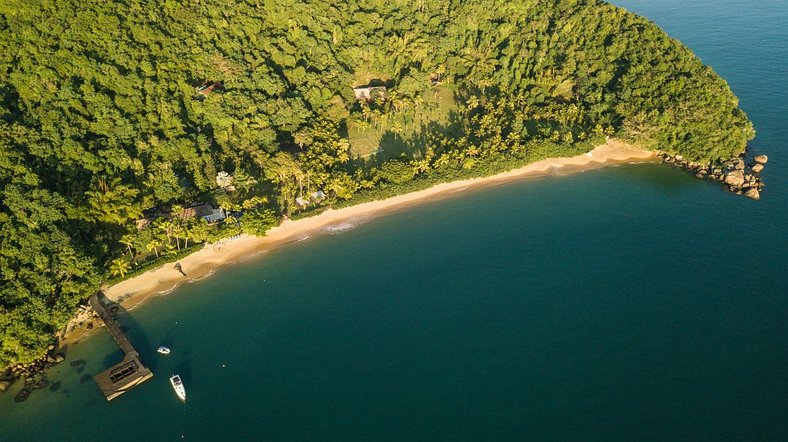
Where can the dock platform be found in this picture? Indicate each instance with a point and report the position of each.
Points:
(129, 372)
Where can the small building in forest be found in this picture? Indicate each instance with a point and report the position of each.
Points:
(204, 211)
(209, 87)
(201, 210)
(216, 215)
(302, 202)
(369, 93)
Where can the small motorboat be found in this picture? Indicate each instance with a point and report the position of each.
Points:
(163, 350)
(177, 385)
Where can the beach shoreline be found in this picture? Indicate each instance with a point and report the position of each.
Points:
(134, 291)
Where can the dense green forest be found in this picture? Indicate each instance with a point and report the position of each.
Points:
(114, 112)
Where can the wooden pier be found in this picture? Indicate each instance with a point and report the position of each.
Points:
(129, 372)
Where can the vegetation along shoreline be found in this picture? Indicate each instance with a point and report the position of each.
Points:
(124, 148)
(202, 262)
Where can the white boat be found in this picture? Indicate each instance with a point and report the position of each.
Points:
(163, 350)
(177, 385)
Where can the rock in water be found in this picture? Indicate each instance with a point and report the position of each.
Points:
(22, 395)
(761, 159)
(735, 178)
(753, 193)
(757, 168)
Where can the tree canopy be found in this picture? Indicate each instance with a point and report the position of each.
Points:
(110, 111)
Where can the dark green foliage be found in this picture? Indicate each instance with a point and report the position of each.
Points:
(396, 171)
(258, 221)
(112, 109)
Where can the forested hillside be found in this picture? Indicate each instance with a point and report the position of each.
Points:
(117, 111)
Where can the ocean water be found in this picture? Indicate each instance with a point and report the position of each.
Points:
(630, 303)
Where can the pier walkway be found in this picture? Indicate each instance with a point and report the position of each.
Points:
(129, 372)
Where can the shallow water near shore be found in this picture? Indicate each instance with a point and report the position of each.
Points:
(629, 303)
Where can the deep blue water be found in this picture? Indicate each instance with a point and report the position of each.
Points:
(631, 303)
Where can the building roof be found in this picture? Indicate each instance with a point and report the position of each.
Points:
(365, 93)
(214, 216)
(209, 87)
(194, 211)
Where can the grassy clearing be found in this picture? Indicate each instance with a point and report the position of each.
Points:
(393, 137)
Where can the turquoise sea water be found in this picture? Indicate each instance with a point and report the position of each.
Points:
(631, 303)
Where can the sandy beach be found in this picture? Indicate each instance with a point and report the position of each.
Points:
(204, 262)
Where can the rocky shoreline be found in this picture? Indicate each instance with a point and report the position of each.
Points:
(737, 175)
(34, 373)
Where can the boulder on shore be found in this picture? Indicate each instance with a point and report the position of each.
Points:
(5, 385)
(739, 165)
(761, 159)
(735, 178)
(753, 193)
(757, 168)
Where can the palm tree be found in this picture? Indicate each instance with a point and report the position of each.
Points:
(177, 232)
(406, 49)
(113, 203)
(177, 211)
(119, 267)
(127, 240)
(166, 226)
(153, 246)
(481, 61)
(186, 230)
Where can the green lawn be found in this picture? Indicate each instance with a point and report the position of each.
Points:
(388, 142)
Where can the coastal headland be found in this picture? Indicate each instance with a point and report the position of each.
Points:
(148, 161)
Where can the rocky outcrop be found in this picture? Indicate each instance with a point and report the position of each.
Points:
(737, 176)
(83, 320)
(32, 372)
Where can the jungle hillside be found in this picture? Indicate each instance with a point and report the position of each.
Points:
(132, 131)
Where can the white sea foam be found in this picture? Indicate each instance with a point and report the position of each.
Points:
(211, 272)
(345, 226)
